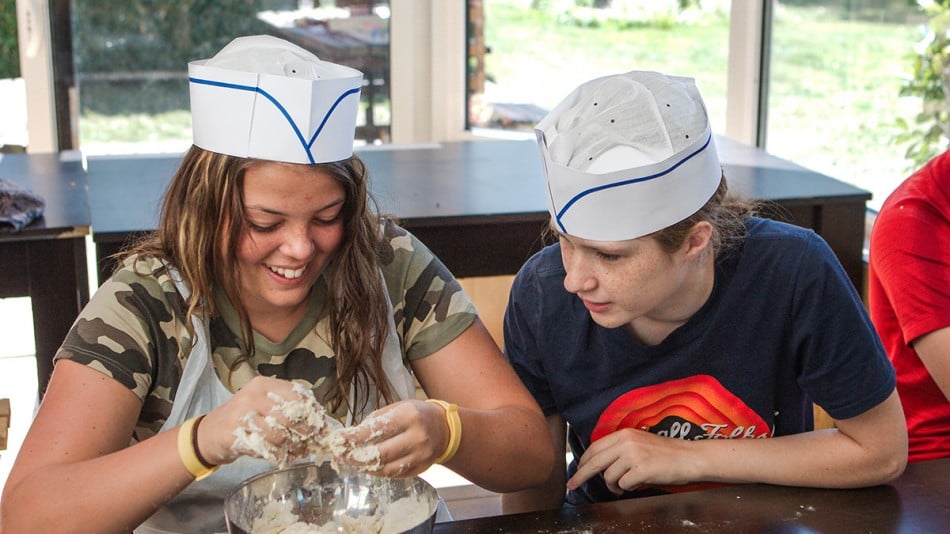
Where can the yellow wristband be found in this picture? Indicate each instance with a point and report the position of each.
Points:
(455, 429)
(187, 441)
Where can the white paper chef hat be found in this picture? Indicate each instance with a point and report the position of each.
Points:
(263, 97)
(628, 155)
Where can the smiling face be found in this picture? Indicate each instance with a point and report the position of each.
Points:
(294, 225)
(637, 283)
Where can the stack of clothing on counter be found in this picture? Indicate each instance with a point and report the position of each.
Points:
(18, 207)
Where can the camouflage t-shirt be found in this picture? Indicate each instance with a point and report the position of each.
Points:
(133, 329)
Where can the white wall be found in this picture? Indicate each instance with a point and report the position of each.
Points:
(36, 68)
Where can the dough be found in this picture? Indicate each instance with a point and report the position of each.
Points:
(311, 433)
(392, 518)
(306, 435)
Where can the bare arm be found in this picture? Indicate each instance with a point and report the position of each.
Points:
(868, 449)
(550, 494)
(505, 444)
(934, 352)
(74, 469)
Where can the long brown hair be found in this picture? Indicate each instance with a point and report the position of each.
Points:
(204, 206)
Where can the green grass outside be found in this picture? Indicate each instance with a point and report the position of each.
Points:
(833, 93)
(531, 51)
(834, 96)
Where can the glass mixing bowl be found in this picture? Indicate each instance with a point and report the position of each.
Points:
(315, 498)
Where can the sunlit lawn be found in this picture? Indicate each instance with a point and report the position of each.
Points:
(832, 101)
(834, 96)
(833, 91)
(534, 56)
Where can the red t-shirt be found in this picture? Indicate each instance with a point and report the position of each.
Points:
(909, 296)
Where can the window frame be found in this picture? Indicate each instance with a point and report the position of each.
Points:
(428, 92)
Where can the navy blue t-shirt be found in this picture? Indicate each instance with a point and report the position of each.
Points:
(783, 328)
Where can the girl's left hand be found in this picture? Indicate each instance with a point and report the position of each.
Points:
(629, 458)
(399, 440)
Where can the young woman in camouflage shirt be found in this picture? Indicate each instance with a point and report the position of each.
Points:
(293, 278)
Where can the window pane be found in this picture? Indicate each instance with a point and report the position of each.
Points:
(13, 134)
(835, 81)
(536, 52)
(130, 58)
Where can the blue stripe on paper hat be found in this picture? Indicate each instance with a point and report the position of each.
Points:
(628, 155)
(263, 97)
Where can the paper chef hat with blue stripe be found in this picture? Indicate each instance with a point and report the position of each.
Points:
(628, 155)
(263, 97)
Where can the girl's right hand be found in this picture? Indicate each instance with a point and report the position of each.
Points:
(268, 418)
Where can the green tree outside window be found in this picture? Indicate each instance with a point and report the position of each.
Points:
(928, 133)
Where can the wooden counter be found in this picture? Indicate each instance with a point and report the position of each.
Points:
(46, 261)
(481, 205)
(917, 502)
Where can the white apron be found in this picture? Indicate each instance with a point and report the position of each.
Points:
(200, 506)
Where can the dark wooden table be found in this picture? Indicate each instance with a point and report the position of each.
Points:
(46, 261)
(917, 502)
(478, 205)
(481, 205)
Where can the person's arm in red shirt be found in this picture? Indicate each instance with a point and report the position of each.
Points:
(934, 352)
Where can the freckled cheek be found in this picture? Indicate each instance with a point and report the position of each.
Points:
(253, 249)
(615, 284)
(625, 284)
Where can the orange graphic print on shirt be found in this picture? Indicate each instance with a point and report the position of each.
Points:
(692, 408)
(696, 407)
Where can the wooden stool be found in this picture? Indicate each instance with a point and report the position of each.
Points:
(4, 422)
